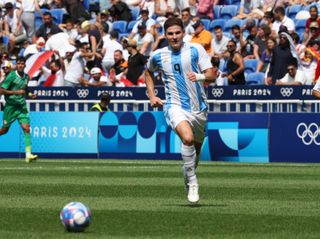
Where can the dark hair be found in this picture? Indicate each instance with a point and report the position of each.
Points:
(114, 34)
(313, 7)
(235, 27)
(118, 51)
(21, 59)
(82, 44)
(47, 14)
(233, 41)
(215, 61)
(173, 22)
(295, 37)
(293, 62)
(105, 97)
(56, 62)
(69, 20)
(217, 27)
(187, 9)
(280, 10)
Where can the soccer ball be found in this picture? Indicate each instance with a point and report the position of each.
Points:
(75, 217)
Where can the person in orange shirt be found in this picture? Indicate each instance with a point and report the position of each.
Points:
(201, 36)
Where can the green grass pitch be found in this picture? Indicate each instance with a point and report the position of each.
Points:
(146, 199)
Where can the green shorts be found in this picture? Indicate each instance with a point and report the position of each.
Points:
(13, 112)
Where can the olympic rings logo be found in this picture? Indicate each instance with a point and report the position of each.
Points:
(82, 93)
(309, 133)
(217, 92)
(286, 92)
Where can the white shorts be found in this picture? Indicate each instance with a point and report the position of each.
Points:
(175, 115)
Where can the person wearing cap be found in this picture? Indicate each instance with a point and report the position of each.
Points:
(96, 79)
(34, 48)
(6, 68)
(144, 40)
(109, 47)
(13, 27)
(104, 18)
(185, 67)
(27, 17)
(48, 28)
(312, 33)
(314, 17)
(201, 36)
(282, 20)
(102, 106)
(149, 22)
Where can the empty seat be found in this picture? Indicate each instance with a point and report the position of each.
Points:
(256, 78)
(230, 23)
(206, 23)
(300, 25)
(250, 66)
(228, 11)
(292, 11)
(57, 15)
(120, 26)
(130, 26)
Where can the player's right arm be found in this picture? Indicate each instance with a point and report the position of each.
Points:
(316, 90)
(5, 88)
(154, 100)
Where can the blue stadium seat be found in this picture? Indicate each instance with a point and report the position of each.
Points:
(292, 11)
(206, 23)
(300, 25)
(86, 4)
(227, 34)
(217, 22)
(5, 40)
(38, 22)
(256, 78)
(228, 11)
(130, 26)
(120, 26)
(57, 14)
(216, 11)
(230, 23)
(135, 12)
(250, 66)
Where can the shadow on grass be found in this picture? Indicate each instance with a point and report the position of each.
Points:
(199, 205)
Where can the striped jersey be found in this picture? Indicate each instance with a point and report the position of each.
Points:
(174, 66)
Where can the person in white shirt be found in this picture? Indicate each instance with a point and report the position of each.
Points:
(316, 90)
(69, 29)
(282, 20)
(34, 48)
(77, 66)
(294, 75)
(13, 27)
(96, 79)
(219, 42)
(149, 22)
(109, 47)
(54, 75)
(144, 40)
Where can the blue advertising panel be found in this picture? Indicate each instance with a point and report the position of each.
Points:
(64, 132)
(295, 138)
(139, 135)
(236, 138)
(9, 143)
(230, 137)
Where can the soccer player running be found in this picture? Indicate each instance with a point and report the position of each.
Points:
(185, 67)
(14, 87)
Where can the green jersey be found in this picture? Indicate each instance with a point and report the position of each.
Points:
(15, 82)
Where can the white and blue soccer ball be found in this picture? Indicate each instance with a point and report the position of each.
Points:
(75, 217)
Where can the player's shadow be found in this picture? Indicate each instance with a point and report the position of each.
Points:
(199, 205)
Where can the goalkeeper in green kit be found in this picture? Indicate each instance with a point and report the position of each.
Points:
(14, 88)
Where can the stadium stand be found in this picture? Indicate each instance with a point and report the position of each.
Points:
(120, 26)
(250, 66)
(228, 11)
(255, 78)
(217, 22)
(230, 23)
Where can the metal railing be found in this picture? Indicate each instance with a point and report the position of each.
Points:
(215, 106)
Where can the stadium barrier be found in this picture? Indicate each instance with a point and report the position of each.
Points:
(221, 99)
(236, 137)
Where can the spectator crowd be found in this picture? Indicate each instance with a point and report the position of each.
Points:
(108, 42)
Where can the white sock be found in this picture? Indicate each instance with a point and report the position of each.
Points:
(189, 155)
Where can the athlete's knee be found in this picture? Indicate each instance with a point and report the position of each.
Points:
(26, 128)
(188, 140)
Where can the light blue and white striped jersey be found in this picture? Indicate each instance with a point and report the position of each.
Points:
(174, 66)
